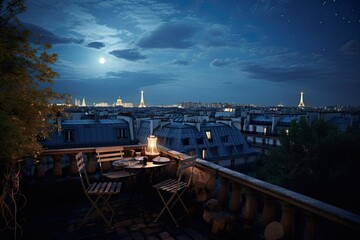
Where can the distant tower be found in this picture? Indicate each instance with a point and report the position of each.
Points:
(118, 102)
(301, 103)
(83, 103)
(142, 103)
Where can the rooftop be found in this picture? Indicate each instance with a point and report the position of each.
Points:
(55, 206)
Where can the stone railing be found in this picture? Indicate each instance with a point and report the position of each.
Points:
(61, 162)
(260, 203)
(240, 198)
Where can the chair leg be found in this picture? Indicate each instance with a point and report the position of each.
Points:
(98, 210)
(182, 203)
(166, 207)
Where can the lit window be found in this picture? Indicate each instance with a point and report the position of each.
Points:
(203, 154)
(209, 136)
(265, 129)
(69, 135)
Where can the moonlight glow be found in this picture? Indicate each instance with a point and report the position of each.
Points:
(101, 60)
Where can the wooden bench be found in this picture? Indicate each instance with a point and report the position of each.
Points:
(105, 156)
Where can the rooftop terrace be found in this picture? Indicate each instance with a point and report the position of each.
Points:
(247, 208)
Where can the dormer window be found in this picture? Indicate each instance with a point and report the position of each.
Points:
(203, 153)
(225, 139)
(69, 135)
(200, 141)
(214, 151)
(186, 141)
(209, 135)
(121, 133)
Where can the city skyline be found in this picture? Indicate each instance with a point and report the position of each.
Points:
(250, 52)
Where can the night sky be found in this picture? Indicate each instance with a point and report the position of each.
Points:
(244, 51)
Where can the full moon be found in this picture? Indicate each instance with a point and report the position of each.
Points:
(101, 60)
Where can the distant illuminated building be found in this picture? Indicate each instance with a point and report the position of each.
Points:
(101, 104)
(128, 105)
(77, 102)
(301, 103)
(142, 103)
(119, 102)
(83, 103)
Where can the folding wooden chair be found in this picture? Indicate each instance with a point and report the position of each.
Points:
(176, 188)
(98, 193)
(105, 156)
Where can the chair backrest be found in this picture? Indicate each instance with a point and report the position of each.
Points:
(186, 166)
(82, 170)
(105, 155)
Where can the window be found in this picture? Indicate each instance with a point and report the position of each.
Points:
(199, 141)
(186, 141)
(225, 139)
(230, 150)
(214, 151)
(240, 148)
(121, 133)
(168, 141)
(69, 135)
(208, 135)
(203, 153)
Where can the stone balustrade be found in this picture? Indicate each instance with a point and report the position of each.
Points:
(241, 198)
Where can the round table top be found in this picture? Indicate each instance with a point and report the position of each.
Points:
(148, 165)
(136, 162)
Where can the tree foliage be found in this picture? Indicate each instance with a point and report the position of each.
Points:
(316, 160)
(26, 105)
(25, 93)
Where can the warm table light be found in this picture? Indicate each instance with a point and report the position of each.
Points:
(151, 149)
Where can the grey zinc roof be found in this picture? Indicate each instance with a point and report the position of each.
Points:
(184, 137)
(91, 121)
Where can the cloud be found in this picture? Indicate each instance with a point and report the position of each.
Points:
(217, 35)
(96, 45)
(281, 74)
(222, 63)
(169, 35)
(351, 48)
(128, 54)
(180, 62)
(41, 35)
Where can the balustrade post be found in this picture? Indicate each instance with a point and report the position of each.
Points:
(224, 190)
(287, 219)
(249, 210)
(73, 165)
(310, 227)
(40, 172)
(235, 201)
(268, 211)
(57, 171)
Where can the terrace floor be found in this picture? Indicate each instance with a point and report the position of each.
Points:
(55, 208)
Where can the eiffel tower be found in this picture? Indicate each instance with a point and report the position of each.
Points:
(301, 104)
(142, 103)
